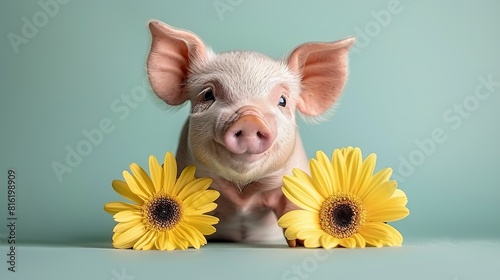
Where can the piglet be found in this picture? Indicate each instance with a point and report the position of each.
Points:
(242, 130)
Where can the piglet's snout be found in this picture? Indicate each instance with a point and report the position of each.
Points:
(250, 133)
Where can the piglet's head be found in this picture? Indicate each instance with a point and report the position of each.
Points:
(242, 122)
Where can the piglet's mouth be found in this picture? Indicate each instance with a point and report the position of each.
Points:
(238, 158)
(249, 158)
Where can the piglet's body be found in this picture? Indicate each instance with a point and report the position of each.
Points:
(242, 130)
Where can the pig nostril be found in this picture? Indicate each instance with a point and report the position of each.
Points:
(248, 133)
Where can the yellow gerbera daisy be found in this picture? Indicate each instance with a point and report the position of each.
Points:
(168, 213)
(343, 203)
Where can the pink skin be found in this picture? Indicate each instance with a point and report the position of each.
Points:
(242, 131)
(249, 133)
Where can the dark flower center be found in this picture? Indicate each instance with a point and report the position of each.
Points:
(162, 213)
(342, 215)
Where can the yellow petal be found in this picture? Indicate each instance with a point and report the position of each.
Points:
(150, 246)
(373, 243)
(360, 241)
(297, 217)
(196, 185)
(346, 151)
(142, 179)
(327, 241)
(200, 198)
(169, 244)
(365, 175)
(123, 244)
(117, 206)
(161, 241)
(202, 219)
(297, 172)
(293, 231)
(198, 235)
(169, 173)
(397, 238)
(379, 178)
(134, 186)
(192, 235)
(340, 173)
(379, 195)
(145, 240)
(300, 193)
(123, 240)
(122, 188)
(321, 182)
(396, 201)
(204, 228)
(186, 234)
(310, 233)
(379, 234)
(399, 193)
(312, 242)
(382, 176)
(172, 241)
(127, 216)
(327, 167)
(201, 209)
(370, 229)
(296, 221)
(187, 175)
(387, 214)
(156, 174)
(353, 163)
(124, 226)
(307, 180)
(347, 242)
(166, 241)
(178, 240)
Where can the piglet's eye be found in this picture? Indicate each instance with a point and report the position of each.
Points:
(282, 101)
(208, 94)
(206, 99)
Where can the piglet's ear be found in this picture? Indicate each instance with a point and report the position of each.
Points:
(323, 68)
(172, 51)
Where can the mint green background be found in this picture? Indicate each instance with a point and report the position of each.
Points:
(427, 59)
